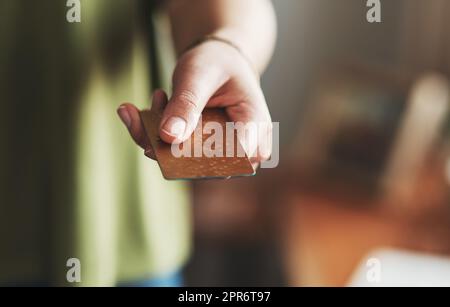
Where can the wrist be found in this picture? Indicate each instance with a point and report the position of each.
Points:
(217, 38)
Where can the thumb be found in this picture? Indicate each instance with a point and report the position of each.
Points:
(193, 87)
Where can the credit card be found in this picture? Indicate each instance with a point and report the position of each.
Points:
(201, 158)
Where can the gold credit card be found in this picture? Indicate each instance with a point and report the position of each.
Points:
(201, 158)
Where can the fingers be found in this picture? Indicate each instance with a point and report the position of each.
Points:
(193, 86)
(129, 115)
(256, 139)
(149, 153)
(255, 164)
(159, 102)
(265, 141)
(254, 123)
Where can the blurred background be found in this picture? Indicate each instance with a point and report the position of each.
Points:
(365, 155)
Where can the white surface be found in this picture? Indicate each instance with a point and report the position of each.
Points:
(404, 269)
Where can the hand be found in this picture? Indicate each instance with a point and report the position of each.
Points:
(213, 75)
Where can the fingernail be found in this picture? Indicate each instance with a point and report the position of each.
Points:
(158, 95)
(125, 116)
(255, 166)
(175, 126)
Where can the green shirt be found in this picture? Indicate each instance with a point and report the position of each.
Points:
(73, 184)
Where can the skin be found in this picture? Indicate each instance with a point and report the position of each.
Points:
(213, 74)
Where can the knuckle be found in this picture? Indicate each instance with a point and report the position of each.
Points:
(188, 99)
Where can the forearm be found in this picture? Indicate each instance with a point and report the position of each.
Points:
(249, 24)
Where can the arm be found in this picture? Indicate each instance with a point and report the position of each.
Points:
(214, 73)
(250, 24)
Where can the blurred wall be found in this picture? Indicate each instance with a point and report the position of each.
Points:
(314, 34)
